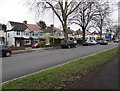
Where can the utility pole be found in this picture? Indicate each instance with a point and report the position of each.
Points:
(4, 28)
(53, 29)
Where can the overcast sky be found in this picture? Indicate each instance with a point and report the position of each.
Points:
(16, 10)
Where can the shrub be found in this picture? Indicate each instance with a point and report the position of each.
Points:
(56, 41)
(99, 38)
(42, 43)
(79, 41)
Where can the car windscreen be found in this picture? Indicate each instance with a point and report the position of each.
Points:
(69, 41)
(0, 46)
(63, 41)
(5, 46)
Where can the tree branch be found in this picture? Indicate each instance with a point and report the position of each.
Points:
(74, 9)
(55, 12)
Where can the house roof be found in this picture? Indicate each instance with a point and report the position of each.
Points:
(34, 27)
(18, 26)
(94, 32)
(51, 28)
(79, 31)
(70, 31)
(88, 33)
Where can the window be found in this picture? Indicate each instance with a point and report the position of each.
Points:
(27, 33)
(36, 41)
(59, 34)
(27, 42)
(18, 32)
(41, 34)
(33, 34)
(8, 35)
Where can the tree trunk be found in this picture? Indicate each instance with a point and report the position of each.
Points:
(65, 32)
(83, 35)
(83, 29)
(65, 29)
(100, 32)
(65, 35)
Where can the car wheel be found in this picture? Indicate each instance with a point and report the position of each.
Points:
(69, 46)
(74, 46)
(7, 54)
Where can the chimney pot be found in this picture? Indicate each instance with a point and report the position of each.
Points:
(25, 22)
(52, 25)
(68, 27)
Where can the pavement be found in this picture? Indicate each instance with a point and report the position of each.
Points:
(30, 49)
(105, 77)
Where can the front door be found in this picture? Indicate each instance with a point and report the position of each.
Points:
(18, 43)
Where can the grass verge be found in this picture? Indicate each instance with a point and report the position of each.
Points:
(59, 77)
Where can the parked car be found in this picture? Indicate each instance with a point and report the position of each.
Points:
(98, 41)
(116, 40)
(5, 50)
(89, 42)
(104, 43)
(86, 43)
(67, 44)
(93, 42)
(36, 45)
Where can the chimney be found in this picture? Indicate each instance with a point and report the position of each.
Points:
(68, 27)
(52, 25)
(25, 22)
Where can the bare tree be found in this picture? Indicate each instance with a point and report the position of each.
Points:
(61, 9)
(100, 20)
(84, 14)
(116, 30)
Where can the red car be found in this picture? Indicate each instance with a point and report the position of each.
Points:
(36, 45)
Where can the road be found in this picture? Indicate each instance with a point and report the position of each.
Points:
(26, 63)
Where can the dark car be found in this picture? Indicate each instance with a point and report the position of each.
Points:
(67, 44)
(5, 50)
(104, 43)
(116, 41)
(98, 41)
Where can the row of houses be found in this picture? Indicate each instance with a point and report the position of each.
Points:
(24, 34)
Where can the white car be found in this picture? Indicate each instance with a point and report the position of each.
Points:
(92, 42)
(116, 40)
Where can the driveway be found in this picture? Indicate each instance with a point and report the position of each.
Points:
(26, 63)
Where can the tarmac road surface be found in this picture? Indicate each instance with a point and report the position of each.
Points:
(26, 63)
